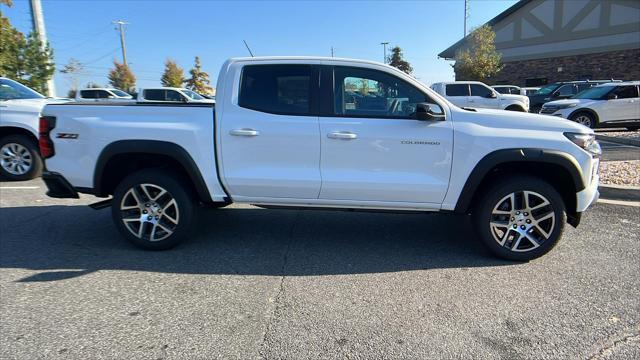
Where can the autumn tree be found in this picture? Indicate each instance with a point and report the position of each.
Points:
(121, 77)
(199, 81)
(173, 75)
(398, 62)
(479, 60)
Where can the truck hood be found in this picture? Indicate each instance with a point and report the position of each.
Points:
(577, 102)
(520, 120)
(514, 97)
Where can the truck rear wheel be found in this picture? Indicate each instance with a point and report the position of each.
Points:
(520, 218)
(153, 209)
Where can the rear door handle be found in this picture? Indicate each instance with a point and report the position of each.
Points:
(244, 132)
(344, 135)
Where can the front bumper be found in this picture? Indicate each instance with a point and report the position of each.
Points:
(589, 195)
(58, 186)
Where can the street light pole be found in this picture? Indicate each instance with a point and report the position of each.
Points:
(37, 19)
(384, 49)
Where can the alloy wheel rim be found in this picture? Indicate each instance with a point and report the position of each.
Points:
(584, 120)
(15, 159)
(522, 221)
(149, 212)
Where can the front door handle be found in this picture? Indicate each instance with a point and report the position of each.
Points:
(244, 132)
(344, 135)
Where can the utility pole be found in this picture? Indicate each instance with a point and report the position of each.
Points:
(121, 25)
(332, 51)
(466, 16)
(37, 19)
(384, 49)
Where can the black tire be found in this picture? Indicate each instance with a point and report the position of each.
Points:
(483, 215)
(179, 219)
(514, 108)
(35, 166)
(585, 118)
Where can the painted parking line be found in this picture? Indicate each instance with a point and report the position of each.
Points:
(619, 202)
(19, 187)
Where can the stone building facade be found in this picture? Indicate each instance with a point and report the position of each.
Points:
(543, 41)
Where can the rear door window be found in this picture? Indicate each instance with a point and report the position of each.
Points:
(277, 89)
(457, 89)
(154, 94)
(626, 92)
(88, 94)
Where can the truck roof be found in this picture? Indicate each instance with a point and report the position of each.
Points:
(305, 58)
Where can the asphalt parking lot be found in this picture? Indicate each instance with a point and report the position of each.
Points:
(258, 283)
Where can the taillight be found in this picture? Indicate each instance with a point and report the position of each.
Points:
(47, 123)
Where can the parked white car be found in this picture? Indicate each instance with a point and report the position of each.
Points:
(614, 104)
(169, 94)
(20, 109)
(475, 94)
(102, 94)
(324, 133)
(508, 89)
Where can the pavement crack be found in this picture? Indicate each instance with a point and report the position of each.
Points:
(281, 288)
(606, 351)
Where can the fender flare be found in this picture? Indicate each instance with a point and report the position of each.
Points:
(493, 159)
(156, 147)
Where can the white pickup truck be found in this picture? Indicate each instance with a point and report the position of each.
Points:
(323, 133)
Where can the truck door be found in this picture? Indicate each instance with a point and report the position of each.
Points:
(458, 94)
(269, 137)
(372, 147)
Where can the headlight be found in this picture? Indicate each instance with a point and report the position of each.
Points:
(585, 141)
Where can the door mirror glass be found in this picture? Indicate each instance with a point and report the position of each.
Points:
(426, 112)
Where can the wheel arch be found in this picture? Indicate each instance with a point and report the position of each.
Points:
(515, 107)
(17, 130)
(558, 168)
(121, 158)
(585, 110)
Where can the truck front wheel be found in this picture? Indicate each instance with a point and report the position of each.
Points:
(153, 209)
(520, 218)
(19, 158)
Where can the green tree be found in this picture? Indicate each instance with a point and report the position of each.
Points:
(121, 77)
(479, 60)
(199, 81)
(398, 62)
(24, 59)
(173, 74)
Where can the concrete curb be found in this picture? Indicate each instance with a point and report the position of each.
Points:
(617, 192)
(617, 140)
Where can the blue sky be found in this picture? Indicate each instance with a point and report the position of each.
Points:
(214, 30)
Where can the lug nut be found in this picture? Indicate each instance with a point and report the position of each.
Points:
(523, 227)
(528, 221)
(144, 211)
(157, 217)
(517, 212)
(526, 214)
(149, 217)
(515, 226)
(512, 219)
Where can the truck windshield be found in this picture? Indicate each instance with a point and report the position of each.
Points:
(10, 90)
(192, 95)
(547, 89)
(595, 93)
(120, 93)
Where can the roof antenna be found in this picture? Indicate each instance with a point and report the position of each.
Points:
(245, 44)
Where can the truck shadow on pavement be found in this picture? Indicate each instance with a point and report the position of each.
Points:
(70, 241)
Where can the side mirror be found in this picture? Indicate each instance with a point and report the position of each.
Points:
(491, 95)
(612, 97)
(111, 97)
(424, 112)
